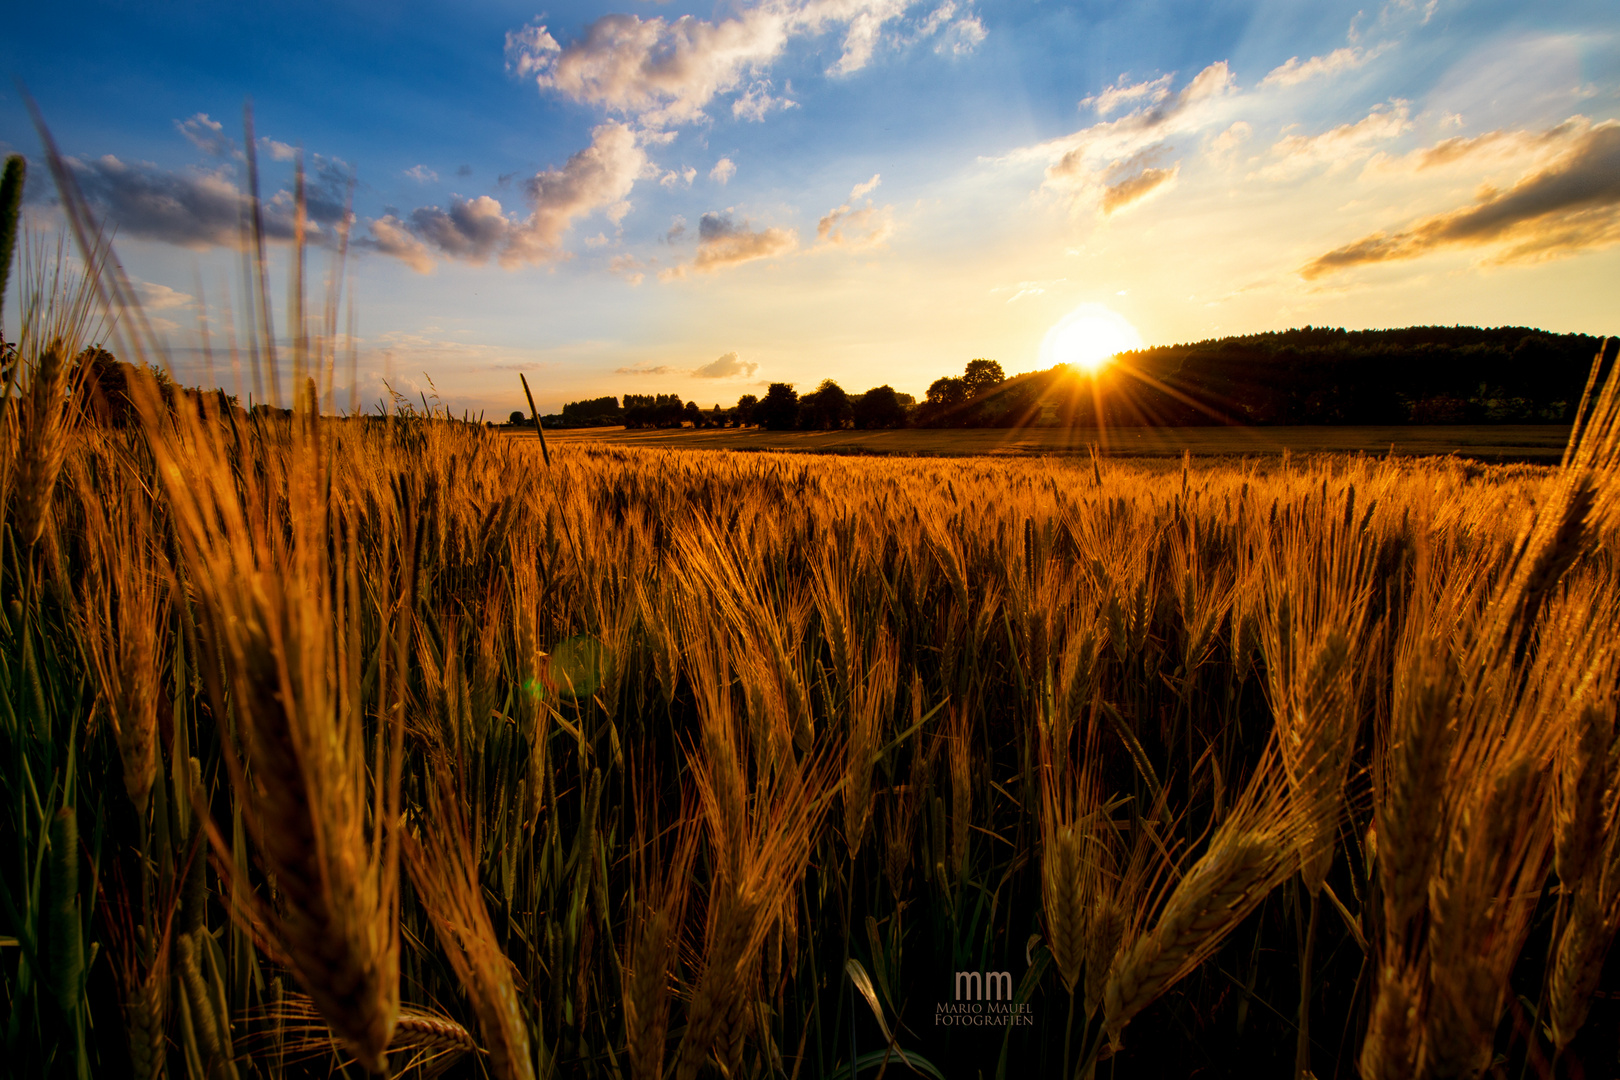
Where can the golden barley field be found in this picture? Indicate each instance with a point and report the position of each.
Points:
(398, 746)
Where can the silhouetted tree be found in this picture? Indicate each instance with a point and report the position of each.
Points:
(880, 407)
(827, 408)
(653, 410)
(693, 414)
(943, 407)
(780, 409)
(517, 419)
(947, 392)
(745, 410)
(981, 375)
(593, 413)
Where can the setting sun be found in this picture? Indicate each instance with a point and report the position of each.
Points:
(1088, 337)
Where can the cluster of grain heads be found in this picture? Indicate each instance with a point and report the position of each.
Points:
(1252, 852)
(1317, 594)
(658, 912)
(1587, 861)
(278, 612)
(445, 873)
(1468, 825)
(124, 616)
(761, 826)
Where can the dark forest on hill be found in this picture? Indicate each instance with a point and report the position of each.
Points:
(1322, 375)
(1313, 375)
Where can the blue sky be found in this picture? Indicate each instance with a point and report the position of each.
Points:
(654, 197)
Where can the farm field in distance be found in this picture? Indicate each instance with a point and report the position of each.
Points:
(1536, 443)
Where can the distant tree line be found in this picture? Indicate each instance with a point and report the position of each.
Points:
(1323, 375)
(1314, 375)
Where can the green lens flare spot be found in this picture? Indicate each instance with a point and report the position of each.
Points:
(576, 668)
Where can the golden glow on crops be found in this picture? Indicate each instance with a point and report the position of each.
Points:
(1088, 337)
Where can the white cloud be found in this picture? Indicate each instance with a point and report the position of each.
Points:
(155, 297)
(1223, 147)
(963, 36)
(683, 178)
(723, 242)
(958, 36)
(856, 229)
(1122, 93)
(1116, 162)
(666, 72)
(390, 236)
(628, 267)
(723, 170)
(1298, 154)
(660, 72)
(757, 101)
(1022, 289)
(421, 174)
(1294, 72)
(278, 151)
(865, 29)
(205, 134)
(597, 178)
(726, 366)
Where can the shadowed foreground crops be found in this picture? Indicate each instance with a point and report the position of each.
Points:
(382, 744)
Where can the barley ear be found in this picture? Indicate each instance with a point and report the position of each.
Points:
(1064, 905)
(1583, 777)
(1390, 1049)
(1207, 904)
(1106, 929)
(1581, 952)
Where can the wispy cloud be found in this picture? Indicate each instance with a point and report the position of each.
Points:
(726, 366)
(723, 171)
(422, 174)
(855, 227)
(676, 179)
(1340, 146)
(1026, 289)
(756, 103)
(278, 150)
(155, 297)
(628, 267)
(1123, 93)
(1116, 162)
(1137, 182)
(206, 135)
(1295, 71)
(1570, 205)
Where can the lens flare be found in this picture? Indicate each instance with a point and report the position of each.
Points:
(1088, 337)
